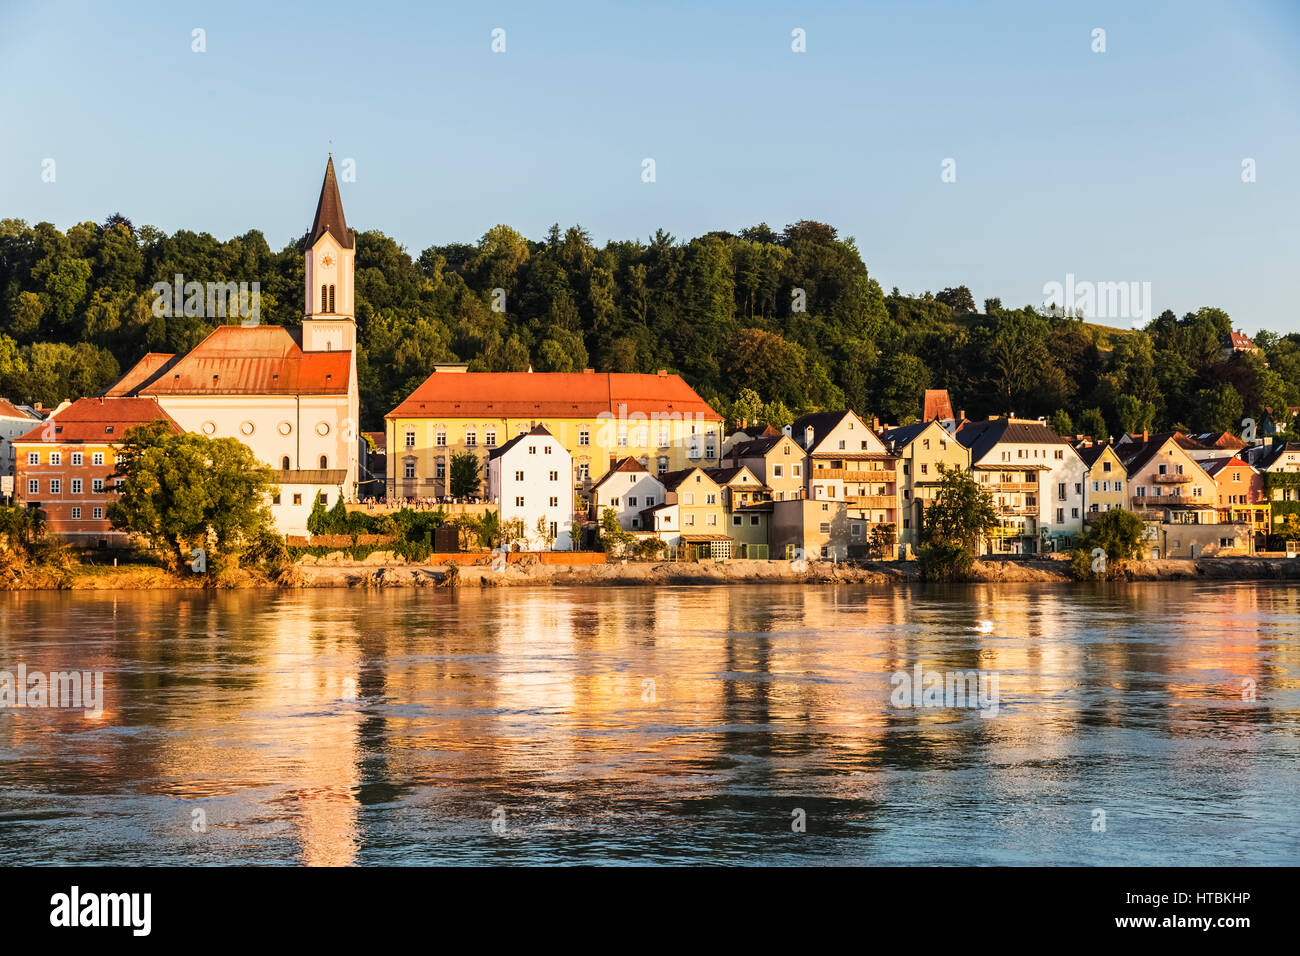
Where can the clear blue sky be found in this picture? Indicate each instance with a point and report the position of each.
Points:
(1115, 166)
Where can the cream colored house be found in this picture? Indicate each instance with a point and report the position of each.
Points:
(1166, 483)
(1106, 484)
(777, 461)
(1036, 479)
(848, 462)
(924, 449)
(629, 489)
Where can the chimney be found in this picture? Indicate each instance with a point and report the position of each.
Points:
(613, 460)
(961, 415)
(588, 371)
(875, 423)
(662, 373)
(807, 437)
(1144, 435)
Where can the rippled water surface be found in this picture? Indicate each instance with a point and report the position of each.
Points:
(675, 725)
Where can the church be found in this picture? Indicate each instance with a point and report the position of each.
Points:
(289, 394)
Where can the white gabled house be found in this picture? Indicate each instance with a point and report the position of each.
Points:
(1036, 479)
(629, 489)
(531, 478)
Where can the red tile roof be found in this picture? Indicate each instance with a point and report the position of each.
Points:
(9, 410)
(1239, 341)
(141, 372)
(238, 360)
(100, 420)
(550, 395)
(936, 404)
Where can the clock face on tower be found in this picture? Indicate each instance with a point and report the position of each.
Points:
(327, 260)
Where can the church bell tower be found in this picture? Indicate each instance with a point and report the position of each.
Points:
(329, 319)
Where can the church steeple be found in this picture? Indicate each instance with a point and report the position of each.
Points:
(328, 317)
(329, 211)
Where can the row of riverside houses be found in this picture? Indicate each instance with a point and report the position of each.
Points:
(556, 450)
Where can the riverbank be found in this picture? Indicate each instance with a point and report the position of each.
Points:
(382, 570)
(1045, 570)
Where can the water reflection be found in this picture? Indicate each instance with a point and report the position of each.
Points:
(679, 724)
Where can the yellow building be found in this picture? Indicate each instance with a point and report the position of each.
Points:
(598, 417)
(924, 449)
(1105, 484)
(748, 510)
(777, 461)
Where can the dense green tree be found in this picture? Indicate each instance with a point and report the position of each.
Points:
(464, 474)
(182, 492)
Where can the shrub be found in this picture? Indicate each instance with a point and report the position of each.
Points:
(945, 561)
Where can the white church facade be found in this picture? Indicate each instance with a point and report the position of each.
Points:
(289, 394)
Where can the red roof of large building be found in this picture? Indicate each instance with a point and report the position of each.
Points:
(240, 360)
(99, 420)
(550, 395)
(141, 372)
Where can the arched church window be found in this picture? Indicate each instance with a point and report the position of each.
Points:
(324, 462)
(284, 463)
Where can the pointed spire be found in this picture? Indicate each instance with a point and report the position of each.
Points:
(329, 211)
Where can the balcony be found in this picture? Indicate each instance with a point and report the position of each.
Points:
(871, 501)
(1013, 487)
(845, 474)
(1171, 479)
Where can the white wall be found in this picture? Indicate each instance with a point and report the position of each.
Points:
(537, 487)
(623, 487)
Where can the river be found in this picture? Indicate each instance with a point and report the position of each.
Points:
(1151, 723)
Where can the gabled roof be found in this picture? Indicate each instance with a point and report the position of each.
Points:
(673, 479)
(1274, 452)
(759, 447)
(623, 466)
(728, 474)
(550, 395)
(10, 410)
(240, 360)
(1218, 440)
(981, 437)
(1213, 466)
(100, 420)
(1090, 452)
(1239, 341)
(758, 431)
(822, 423)
(1136, 453)
(151, 365)
(536, 430)
(900, 436)
(329, 212)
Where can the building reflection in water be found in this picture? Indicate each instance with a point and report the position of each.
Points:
(321, 726)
